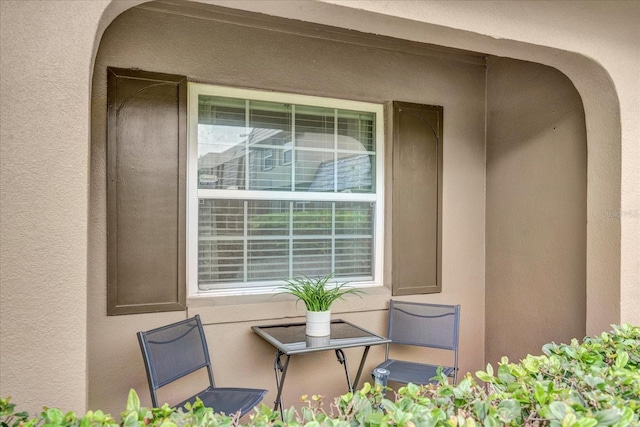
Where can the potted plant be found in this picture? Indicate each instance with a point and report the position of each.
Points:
(318, 295)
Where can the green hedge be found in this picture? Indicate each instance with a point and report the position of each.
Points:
(592, 383)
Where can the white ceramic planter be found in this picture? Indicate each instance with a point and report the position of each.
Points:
(318, 341)
(318, 323)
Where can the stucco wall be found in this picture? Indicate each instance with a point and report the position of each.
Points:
(46, 54)
(44, 196)
(536, 209)
(284, 59)
(596, 45)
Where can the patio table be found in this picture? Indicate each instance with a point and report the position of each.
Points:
(289, 339)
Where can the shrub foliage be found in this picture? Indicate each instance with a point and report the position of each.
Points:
(591, 383)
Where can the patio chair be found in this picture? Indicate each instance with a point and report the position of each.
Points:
(174, 351)
(424, 325)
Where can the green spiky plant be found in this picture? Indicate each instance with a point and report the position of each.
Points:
(316, 293)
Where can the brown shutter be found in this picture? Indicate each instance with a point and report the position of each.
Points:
(146, 192)
(417, 199)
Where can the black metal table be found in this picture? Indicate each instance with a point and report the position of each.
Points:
(290, 339)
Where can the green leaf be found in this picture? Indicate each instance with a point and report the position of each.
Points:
(489, 369)
(569, 420)
(586, 422)
(540, 393)
(375, 419)
(608, 417)
(316, 293)
(484, 376)
(54, 415)
(389, 406)
(133, 401)
(438, 415)
(626, 418)
(557, 411)
(465, 385)
(491, 421)
(504, 374)
(622, 359)
(593, 381)
(130, 419)
(365, 388)
(509, 410)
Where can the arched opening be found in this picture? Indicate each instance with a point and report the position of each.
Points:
(278, 55)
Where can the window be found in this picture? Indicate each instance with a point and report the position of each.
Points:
(267, 160)
(282, 185)
(286, 154)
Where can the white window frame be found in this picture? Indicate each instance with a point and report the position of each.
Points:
(288, 151)
(195, 89)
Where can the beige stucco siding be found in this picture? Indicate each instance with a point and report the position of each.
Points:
(50, 305)
(211, 51)
(596, 46)
(536, 210)
(46, 61)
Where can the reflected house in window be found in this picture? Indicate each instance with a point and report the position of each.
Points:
(222, 170)
(226, 170)
(263, 159)
(270, 162)
(353, 174)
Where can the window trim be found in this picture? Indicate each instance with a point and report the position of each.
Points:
(288, 150)
(195, 89)
(267, 160)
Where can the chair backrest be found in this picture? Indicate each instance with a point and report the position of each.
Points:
(173, 351)
(426, 325)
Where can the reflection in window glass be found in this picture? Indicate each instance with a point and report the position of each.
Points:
(267, 259)
(310, 171)
(328, 157)
(283, 239)
(311, 257)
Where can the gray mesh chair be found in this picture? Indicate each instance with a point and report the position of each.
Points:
(424, 325)
(179, 349)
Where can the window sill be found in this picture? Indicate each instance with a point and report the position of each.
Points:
(249, 308)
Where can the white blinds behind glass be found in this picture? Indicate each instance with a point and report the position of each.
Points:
(258, 240)
(251, 153)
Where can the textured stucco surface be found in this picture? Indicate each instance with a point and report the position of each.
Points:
(46, 61)
(536, 209)
(595, 44)
(214, 52)
(44, 130)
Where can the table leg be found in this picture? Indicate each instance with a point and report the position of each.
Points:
(281, 373)
(362, 360)
(342, 359)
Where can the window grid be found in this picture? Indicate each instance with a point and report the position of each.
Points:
(247, 151)
(335, 149)
(340, 248)
(245, 247)
(357, 234)
(291, 239)
(293, 148)
(333, 237)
